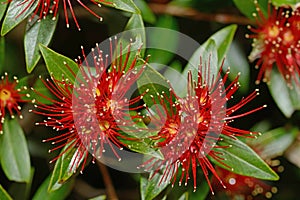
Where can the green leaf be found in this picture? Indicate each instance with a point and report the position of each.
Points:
(287, 99)
(2, 53)
(223, 39)
(3, 5)
(146, 12)
(125, 5)
(238, 63)
(151, 188)
(15, 14)
(21, 190)
(247, 7)
(36, 33)
(3, 194)
(15, 159)
(60, 194)
(162, 49)
(201, 192)
(56, 64)
(154, 82)
(280, 3)
(243, 160)
(136, 25)
(275, 142)
(209, 55)
(65, 167)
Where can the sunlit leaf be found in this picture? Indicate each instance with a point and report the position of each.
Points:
(37, 33)
(243, 160)
(65, 167)
(15, 14)
(56, 64)
(15, 159)
(3, 194)
(280, 3)
(274, 142)
(125, 5)
(286, 99)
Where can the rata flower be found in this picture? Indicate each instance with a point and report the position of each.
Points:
(243, 186)
(44, 7)
(200, 119)
(10, 98)
(276, 42)
(91, 112)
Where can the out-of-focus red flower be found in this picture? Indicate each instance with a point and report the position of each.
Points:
(276, 42)
(243, 187)
(46, 7)
(90, 113)
(10, 98)
(200, 119)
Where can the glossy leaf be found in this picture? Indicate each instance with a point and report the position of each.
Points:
(64, 167)
(15, 159)
(286, 99)
(37, 33)
(136, 25)
(275, 142)
(3, 6)
(238, 63)
(209, 55)
(280, 3)
(150, 188)
(3, 194)
(15, 14)
(56, 64)
(146, 12)
(60, 194)
(216, 48)
(159, 56)
(247, 7)
(243, 160)
(223, 39)
(125, 5)
(2, 53)
(154, 82)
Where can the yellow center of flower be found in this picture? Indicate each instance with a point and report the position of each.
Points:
(104, 125)
(98, 92)
(172, 128)
(273, 31)
(5, 95)
(288, 37)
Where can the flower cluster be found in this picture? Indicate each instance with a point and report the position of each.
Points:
(193, 127)
(90, 112)
(44, 7)
(10, 98)
(243, 186)
(276, 41)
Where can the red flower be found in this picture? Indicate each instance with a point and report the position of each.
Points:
(244, 186)
(92, 111)
(276, 41)
(44, 7)
(10, 98)
(204, 117)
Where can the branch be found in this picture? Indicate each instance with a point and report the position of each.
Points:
(196, 15)
(110, 190)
